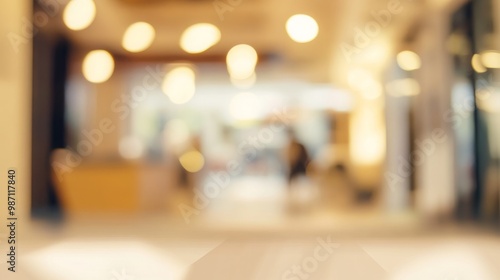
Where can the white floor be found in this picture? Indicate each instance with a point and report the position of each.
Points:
(250, 231)
(447, 255)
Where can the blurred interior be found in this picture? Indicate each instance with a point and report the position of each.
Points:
(148, 104)
(258, 117)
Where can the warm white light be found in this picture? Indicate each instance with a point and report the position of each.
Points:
(241, 61)
(138, 37)
(446, 260)
(199, 37)
(364, 82)
(192, 161)
(477, 65)
(491, 59)
(113, 258)
(302, 28)
(79, 14)
(373, 93)
(179, 84)
(367, 134)
(403, 87)
(374, 55)
(98, 66)
(408, 60)
(356, 77)
(487, 100)
(130, 148)
(245, 106)
(244, 83)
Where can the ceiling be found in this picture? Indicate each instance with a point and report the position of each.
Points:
(255, 22)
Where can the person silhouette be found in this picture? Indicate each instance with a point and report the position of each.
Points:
(298, 159)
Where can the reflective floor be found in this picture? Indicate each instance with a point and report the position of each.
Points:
(95, 250)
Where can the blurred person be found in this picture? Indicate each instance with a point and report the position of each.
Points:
(302, 192)
(297, 158)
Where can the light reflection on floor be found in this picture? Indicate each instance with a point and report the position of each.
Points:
(257, 229)
(443, 257)
(102, 259)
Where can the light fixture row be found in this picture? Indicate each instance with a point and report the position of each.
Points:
(197, 38)
(179, 84)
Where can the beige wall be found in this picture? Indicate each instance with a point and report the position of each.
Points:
(15, 99)
(15, 117)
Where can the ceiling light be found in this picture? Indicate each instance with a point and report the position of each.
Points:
(199, 37)
(491, 59)
(302, 28)
(98, 66)
(79, 14)
(408, 60)
(138, 37)
(241, 61)
(179, 84)
(477, 65)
